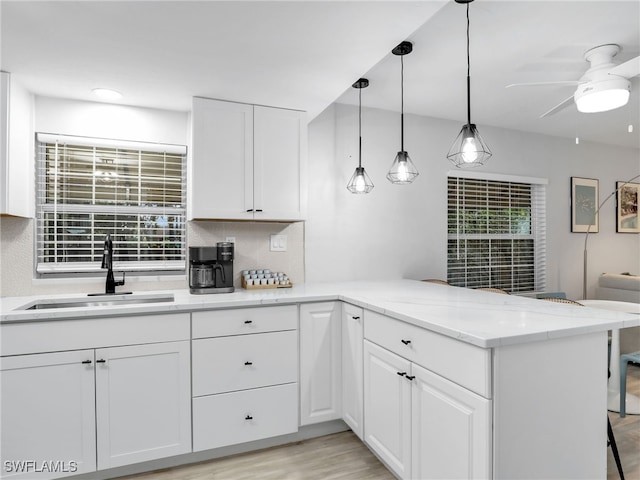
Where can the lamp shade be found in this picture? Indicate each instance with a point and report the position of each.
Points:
(360, 182)
(468, 149)
(402, 171)
(602, 95)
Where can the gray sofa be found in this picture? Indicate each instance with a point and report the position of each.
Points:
(622, 287)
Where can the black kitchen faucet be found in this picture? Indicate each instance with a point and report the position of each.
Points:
(107, 262)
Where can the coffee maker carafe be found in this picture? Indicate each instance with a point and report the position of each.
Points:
(211, 269)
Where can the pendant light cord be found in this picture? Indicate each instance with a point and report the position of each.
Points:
(468, 74)
(402, 103)
(360, 127)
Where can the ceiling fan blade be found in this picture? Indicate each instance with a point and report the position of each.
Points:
(627, 69)
(561, 106)
(543, 84)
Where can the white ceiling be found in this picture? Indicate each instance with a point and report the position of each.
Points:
(306, 54)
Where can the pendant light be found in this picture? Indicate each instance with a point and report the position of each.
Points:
(469, 149)
(402, 171)
(360, 181)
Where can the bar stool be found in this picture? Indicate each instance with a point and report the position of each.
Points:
(624, 361)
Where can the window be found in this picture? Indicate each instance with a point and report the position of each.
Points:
(87, 188)
(496, 232)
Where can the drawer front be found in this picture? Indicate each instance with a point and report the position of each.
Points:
(238, 417)
(460, 362)
(58, 335)
(217, 323)
(227, 364)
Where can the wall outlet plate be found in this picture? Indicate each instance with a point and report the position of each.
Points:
(230, 239)
(278, 243)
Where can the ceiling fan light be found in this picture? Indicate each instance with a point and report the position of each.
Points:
(603, 95)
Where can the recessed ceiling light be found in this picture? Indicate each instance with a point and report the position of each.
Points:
(107, 93)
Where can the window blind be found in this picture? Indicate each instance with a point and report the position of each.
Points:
(496, 233)
(87, 188)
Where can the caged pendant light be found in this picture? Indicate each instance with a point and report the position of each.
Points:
(360, 181)
(402, 171)
(468, 149)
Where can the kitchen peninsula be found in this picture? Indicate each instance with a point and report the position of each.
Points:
(492, 381)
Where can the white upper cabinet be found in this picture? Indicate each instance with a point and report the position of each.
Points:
(280, 145)
(248, 162)
(17, 196)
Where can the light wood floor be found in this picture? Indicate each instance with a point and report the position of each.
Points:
(627, 433)
(343, 456)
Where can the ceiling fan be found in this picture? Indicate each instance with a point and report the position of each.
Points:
(604, 86)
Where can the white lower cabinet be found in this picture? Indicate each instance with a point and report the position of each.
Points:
(450, 429)
(420, 424)
(73, 412)
(387, 407)
(320, 362)
(143, 403)
(352, 367)
(244, 383)
(48, 414)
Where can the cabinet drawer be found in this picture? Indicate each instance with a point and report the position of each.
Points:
(217, 323)
(460, 362)
(58, 335)
(238, 417)
(226, 364)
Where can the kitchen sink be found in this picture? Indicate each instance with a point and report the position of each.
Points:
(102, 301)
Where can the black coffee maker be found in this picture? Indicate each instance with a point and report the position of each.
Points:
(211, 269)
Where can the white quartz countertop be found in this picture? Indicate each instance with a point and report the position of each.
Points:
(479, 318)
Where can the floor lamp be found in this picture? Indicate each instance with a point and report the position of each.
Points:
(613, 391)
(586, 237)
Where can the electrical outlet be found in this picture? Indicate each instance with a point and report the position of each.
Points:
(230, 239)
(278, 243)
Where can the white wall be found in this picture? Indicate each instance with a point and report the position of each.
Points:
(400, 231)
(103, 120)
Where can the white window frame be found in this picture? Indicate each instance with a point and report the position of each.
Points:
(537, 233)
(54, 267)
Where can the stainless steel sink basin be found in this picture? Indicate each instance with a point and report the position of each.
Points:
(102, 301)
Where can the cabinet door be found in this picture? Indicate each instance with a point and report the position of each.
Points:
(221, 176)
(451, 429)
(279, 162)
(143, 402)
(48, 414)
(352, 374)
(387, 407)
(16, 149)
(320, 370)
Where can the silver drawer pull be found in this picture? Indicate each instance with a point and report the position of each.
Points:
(248, 417)
(248, 363)
(410, 377)
(402, 374)
(406, 342)
(247, 322)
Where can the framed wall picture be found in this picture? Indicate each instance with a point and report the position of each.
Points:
(584, 205)
(627, 207)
